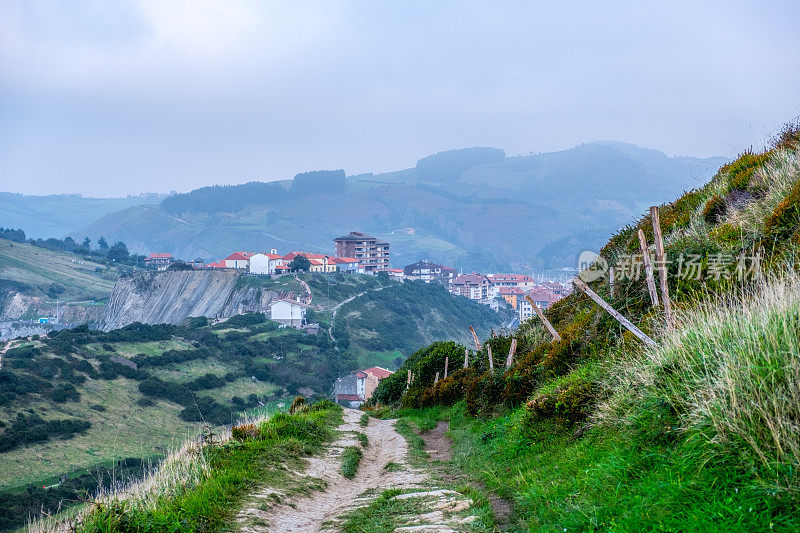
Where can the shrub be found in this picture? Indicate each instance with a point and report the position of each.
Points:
(298, 405)
(784, 220)
(568, 403)
(244, 432)
(741, 171)
(727, 234)
(714, 209)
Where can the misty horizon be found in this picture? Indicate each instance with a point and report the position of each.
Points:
(111, 99)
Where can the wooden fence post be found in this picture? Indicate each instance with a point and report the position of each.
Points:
(408, 380)
(466, 358)
(491, 363)
(436, 379)
(446, 364)
(511, 353)
(662, 265)
(543, 318)
(475, 336)
(613, 312)
(648, 268)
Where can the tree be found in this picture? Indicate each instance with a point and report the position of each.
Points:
(102, 243)
(300, 262)
(118, 252)
(87, 242)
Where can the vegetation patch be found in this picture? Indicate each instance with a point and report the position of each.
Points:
(351, 458)
(223, 475)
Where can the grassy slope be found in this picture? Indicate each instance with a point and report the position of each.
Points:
(220, 478)
(699, 434)
(41, 268)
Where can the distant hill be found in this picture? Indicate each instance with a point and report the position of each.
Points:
(58, 214)
(473, 208)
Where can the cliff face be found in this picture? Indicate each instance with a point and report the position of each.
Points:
(171, 297)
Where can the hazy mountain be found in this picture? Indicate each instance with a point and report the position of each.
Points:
(471, 208)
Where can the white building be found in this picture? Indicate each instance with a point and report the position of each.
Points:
(239, 260)
(263, 263)
(288, 312)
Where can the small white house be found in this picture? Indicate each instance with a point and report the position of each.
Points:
(288, 312)
(263, 263)
(238, 260)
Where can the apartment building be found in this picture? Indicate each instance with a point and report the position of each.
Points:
(371, 253)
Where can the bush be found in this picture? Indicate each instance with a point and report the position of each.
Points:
(741, 171)
(568, 404)
(784, 220)
(714, 209)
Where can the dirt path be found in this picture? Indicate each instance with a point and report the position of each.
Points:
(322, 510)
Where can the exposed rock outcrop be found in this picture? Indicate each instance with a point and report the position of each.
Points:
(173, 296)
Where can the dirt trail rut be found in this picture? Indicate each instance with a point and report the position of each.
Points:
(322, 510)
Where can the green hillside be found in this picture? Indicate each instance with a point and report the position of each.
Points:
(71, 404)
(471, 208)
(40, 272)
(597, 432)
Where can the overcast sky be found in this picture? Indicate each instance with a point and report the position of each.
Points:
(113, 98)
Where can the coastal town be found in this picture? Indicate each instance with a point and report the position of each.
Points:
(361, 253)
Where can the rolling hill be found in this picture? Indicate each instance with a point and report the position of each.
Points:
(471, 208)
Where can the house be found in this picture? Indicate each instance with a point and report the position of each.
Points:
(541, 296)
(426, 271)
(557, 288)
(347, 264)
(238, 260)
(512, 295)
(322, 263)
(520, 281)
(354, 389)
(372, 254)
(218, 264)
(159, 260)
(395, 273)
(265, 263)
(288, 312)
(474, 286)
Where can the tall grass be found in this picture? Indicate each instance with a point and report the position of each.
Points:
(201, 485)
(729, 379)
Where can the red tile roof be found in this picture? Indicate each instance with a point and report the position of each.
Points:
(159, 255)
(349, 397)
(238, 256)
(379, 372)
(511, 290)
(218, 264)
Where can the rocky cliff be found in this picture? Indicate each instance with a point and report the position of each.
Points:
(171, 297)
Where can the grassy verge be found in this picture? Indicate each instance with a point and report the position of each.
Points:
(201, 488)
(351, 457)
(364, 420)
(362, 439)
(607, 480)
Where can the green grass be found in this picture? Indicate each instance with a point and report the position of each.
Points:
(208, 501)
(362, 439)
(351, 458)
(364, 420)
(41, 268)
(383, 514)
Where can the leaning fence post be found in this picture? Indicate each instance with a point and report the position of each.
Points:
(475, 337)
(662, 265)
(511, 353)
(446, 364)
(436, 379)
(466, 358)
(613, 312)
(408, 380)
(543, 318)
(648, 268)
